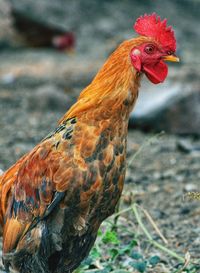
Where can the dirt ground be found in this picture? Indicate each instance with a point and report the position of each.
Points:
(165, 168)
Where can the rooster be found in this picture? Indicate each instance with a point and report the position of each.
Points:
(55, 197)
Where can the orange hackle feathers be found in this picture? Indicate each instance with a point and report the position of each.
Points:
(111, 84)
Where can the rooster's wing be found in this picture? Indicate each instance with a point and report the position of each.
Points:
(53, 173)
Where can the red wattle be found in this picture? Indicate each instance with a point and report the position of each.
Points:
(156, 73)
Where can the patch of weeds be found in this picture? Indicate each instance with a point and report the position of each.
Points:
(117, 250)
(116, 253)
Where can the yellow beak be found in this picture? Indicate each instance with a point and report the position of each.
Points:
(171, 58)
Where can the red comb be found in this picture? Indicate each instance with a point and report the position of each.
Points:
(152, 26)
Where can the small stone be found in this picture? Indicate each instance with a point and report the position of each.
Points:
(8, 78)
(184, 146)
(190, 187)
(157, 175)
(153, 188)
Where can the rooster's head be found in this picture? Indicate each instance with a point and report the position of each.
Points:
(149, 57)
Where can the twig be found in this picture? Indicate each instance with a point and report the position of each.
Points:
(148, 235)
(122, 211)
(146, 143)
(187, 261)
(114, 227)
(168, 251)
(154, 224)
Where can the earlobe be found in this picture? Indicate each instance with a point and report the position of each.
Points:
(136, 62)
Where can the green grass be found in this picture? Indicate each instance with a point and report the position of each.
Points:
(117, 249)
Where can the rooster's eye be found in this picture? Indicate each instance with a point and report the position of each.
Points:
(149, 49)
(170, 52)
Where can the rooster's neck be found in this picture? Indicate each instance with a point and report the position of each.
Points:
(114, 88)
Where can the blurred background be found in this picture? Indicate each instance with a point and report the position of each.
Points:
(54, 48)
(50, 50)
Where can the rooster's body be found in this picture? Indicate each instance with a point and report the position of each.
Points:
(54, 199)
